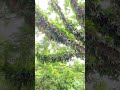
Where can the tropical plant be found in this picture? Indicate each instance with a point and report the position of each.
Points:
(63, 38)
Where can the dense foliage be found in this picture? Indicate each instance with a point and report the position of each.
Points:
(62, 28)
(59, 76)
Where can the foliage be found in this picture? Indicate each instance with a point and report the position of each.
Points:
(17, 51)
(14, 53)
(64, 39)
(102, 33)
(58, 76)
(62, 29)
